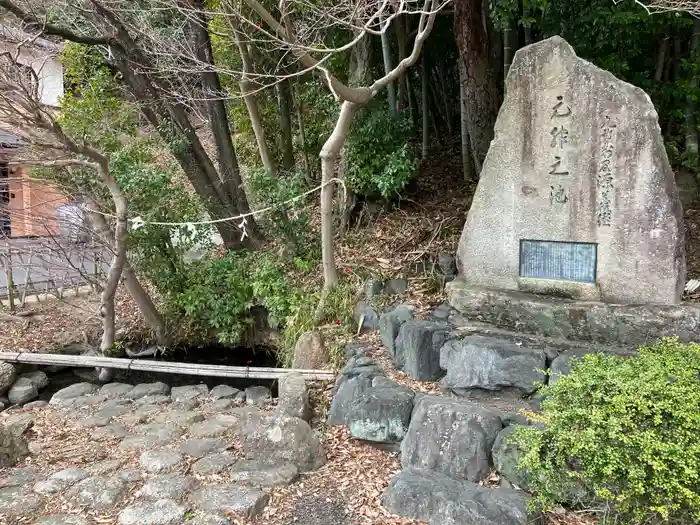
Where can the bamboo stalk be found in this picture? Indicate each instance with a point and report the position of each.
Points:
(146, 365)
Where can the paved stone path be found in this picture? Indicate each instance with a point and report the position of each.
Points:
(147, 454)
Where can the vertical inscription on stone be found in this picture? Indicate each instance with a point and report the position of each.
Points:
(560, 137)
(604, 177)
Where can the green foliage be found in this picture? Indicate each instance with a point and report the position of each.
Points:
(273, 291)
(218, 293)
(623, 38)
(288, 220)
(627, 431)
(215, 297)
(91, 109)
(332, 308)
(380, 157)
(94, 112)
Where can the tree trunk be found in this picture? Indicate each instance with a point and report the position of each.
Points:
(386, 56)
(661, 59)
(360, 61)
(299, 108)
(510, 44)
(251, 102)
(229, 171)
(481, 89)
(412, 104)
(436, 98)
(131, 282)
(286, 138)
(424, 105)
(527, 27)
(444, 96)
(691, 129)
(401, 41)
(107, 311)
(329, 155)
(171, 118)
(467, 163)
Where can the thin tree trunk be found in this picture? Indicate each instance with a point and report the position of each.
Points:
(299, 108)
(437, 100)
(107, 311)
(424, 105)
(131, 282)
(481, 89)
(386, 56)
(661, 59)
(677, 52)
(286, 138)
(467, 163)
(412, 104)
(691, 129)
(510, 43)
(527, 27)
(329, 155)
(229, 170)
(251, 102)
(444, 96)
(402, 80)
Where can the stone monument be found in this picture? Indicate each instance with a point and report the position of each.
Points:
(576, 197)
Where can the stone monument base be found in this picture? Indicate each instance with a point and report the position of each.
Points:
(588, 321)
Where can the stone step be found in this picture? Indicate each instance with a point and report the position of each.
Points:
(624, 326)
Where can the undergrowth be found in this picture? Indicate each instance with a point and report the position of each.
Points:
(624, 432)
(219, 292)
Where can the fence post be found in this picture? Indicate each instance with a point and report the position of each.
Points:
(10, 281)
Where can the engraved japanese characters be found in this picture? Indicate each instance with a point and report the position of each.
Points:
(576, 196)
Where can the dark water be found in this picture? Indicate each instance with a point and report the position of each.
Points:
(209, 354)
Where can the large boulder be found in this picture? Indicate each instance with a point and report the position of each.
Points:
(417, 349)
(577, 158)
(381, 413)
(350, 389)
(365, 317)
(487, 363)
(22, 391)
(310, 352)
(450, 436)
(13, 446)
(441, 500)
(389, 324)
(293, 397)
(283, 438)
(8, 374)
(506, 456)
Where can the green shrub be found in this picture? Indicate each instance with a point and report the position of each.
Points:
(380, 158)
(215, 298)
(290, 220)
(627, 431)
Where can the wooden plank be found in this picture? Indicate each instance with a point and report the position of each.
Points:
(147, 365)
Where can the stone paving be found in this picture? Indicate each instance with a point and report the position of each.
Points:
(148, 454)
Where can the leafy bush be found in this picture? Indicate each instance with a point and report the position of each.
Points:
(627, 431)
(290, 220)
(219, 292)
(380, 158)
(215, 298)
